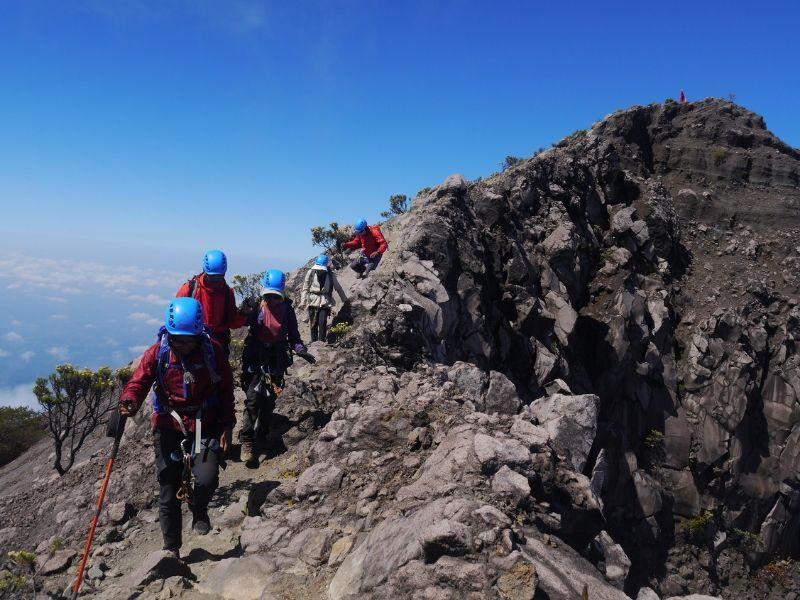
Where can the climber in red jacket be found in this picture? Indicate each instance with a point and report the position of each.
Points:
(372, 243)
(193, 415)
(216, 297)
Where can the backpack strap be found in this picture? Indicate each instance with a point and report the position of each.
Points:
(209, 361)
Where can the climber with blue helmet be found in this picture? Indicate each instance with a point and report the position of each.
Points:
(193, 414)
(217, 298)
(373, 245)
(272, 337)
(317, 295)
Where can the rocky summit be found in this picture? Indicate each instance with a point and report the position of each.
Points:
(577, 378)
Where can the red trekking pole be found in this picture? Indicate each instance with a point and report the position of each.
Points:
(117, 432)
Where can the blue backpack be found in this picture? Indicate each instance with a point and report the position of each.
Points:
(163, 363)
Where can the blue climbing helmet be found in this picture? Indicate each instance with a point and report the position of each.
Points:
(215, 263)
(274, 282)
(323, 260)
(361, 226)
(184, 317)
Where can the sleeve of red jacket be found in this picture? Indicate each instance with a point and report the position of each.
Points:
(354, 243)
(226, 401)
(235, 319)
(143, 378)
(183, 292)
(382, 245)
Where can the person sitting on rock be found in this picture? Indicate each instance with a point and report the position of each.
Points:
(265, 359)
(317, 296)
(216, 297)
(372, 243)
(193, 415)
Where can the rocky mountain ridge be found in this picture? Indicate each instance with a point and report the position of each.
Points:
(578, 373)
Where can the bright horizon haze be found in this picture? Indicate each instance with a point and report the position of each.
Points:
(138, 134)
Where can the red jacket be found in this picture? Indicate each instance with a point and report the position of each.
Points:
(222, 414)
(371, 241)
(219, 305)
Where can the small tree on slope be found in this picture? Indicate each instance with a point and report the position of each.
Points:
(74, 402)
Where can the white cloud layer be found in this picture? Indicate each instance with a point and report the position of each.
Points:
(28, 355)
(61, 277)
(19, 395)
(13, 336)
(145, 318)
(58, 352)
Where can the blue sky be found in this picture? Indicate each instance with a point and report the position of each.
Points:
(137, 134)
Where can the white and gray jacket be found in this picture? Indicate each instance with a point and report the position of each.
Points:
(321, 296)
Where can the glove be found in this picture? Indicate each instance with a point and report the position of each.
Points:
(300, 348)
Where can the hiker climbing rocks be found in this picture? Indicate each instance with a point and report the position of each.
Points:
(193, 415)
(267, 354)
(216, 297)
(317, 296)
(372, 243)
(682, 98)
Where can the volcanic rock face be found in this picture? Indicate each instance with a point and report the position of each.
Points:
(651, 261)
(577, 375)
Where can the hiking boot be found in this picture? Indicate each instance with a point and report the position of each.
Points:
(247, 455)
(201, 524)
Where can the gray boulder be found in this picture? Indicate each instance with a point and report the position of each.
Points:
(571, 422)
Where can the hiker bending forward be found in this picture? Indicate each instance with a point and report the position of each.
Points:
(193, 415)
(216, 297)
(265, 359)
(373, 245)
(317, 295)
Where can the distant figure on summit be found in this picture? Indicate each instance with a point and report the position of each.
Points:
(217, 299)
(682, 98)
(372, 243)
(317, 295)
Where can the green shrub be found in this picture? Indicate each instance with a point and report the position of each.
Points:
(22, 557)
(750, 542)
(331, 239)
(57, 544)
(697, 528)
(75, 402)
(248, 287)
(341, 329)
(398, 204)
(237, 348)
(719, 155)
(9, 582)
(124, 374)
(20, 428)
(654, 439)
(510, 161)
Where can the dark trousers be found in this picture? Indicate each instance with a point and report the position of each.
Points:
(318, 319)
(206, 477)
(363, 265)
(259, 403)
(258, 408)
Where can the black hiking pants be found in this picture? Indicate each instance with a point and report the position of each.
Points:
(259, 403)
(364, 265)
(318, 320)
(258, 408)
(205, 474)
